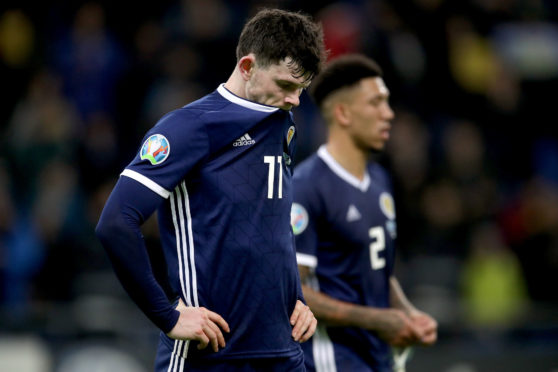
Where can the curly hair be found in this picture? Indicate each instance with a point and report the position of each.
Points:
(275, 34)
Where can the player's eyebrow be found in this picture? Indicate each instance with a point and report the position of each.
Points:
(291, 84)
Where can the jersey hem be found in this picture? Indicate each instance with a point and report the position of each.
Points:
(238, 355)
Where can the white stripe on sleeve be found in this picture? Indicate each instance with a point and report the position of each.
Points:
(304, 259)
(146, 182)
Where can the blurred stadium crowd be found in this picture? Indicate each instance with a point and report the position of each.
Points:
(474, 156)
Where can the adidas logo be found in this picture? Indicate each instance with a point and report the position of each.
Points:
(245, 140)
(353, 214)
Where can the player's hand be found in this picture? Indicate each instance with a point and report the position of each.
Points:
(427, 326)
(397, 329)
(303, 321)
(200, 324)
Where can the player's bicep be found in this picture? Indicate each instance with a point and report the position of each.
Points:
(137, 199)
(128, 206)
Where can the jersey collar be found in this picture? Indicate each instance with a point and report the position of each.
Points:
(342, 172)
(244, 102)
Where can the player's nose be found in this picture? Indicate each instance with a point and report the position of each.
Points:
(293, 99)
(388, 112)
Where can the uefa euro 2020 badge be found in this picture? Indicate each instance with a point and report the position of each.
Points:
(156, 149)
(299, 218)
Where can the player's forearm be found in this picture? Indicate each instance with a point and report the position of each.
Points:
(333, 312)
(119, 232)
(398, 300)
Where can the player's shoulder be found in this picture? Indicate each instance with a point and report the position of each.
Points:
(212, 102)
(189, 118)
(377, 169)
(221, 108)
(379, 173)
(310, 182)
(176, 119)
(309, 168)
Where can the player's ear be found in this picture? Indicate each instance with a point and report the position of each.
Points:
(246, 66)
(342, 114)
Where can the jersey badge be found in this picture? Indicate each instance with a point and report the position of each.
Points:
(387, 205)
(391, 228)
(353, 214)
(290, 134)
(286, 158)
(245, 140)
(156, 149)
(299, 218)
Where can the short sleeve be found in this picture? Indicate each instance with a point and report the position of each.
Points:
(173, 147)
(304, 209)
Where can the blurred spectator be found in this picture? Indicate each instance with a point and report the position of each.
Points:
(529, 47)
(530, 225)
(494, 290)
(443, 209)
(208, 28)
(58, 214)
(149, 41)
(409, 150)
(98, 151)
(16, 38)
(409, 155)
(466, 163)
(180, 64)
(90, 61)
(22, 254)
(342, 25)
(44, 125)
(471, 56)
(19, 51)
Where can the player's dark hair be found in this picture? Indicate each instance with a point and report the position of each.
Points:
(343, 71)
(274, 34)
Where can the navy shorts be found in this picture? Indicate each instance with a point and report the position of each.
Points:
(171, 358)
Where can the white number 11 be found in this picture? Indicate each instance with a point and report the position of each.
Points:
(271, 176)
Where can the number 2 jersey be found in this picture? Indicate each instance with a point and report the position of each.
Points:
(345, 232)
(221, 167)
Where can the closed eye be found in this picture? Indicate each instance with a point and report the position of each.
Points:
(286, 85)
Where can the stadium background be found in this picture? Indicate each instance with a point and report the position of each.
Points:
(474, 155)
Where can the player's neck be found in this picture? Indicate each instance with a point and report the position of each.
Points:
(235, 84)
(352, 159)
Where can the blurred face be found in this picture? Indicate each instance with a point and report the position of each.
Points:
(369, 114)
(274, 85)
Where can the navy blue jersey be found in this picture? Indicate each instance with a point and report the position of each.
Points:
(222, 164)
(345, 232)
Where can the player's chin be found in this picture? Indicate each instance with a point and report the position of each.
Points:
(377, 148)
(285, 107)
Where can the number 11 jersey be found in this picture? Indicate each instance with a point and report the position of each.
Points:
(223, 165)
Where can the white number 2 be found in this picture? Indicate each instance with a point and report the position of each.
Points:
(379, 244)
(271, 177)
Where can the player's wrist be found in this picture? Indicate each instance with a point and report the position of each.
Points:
(170, 322)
